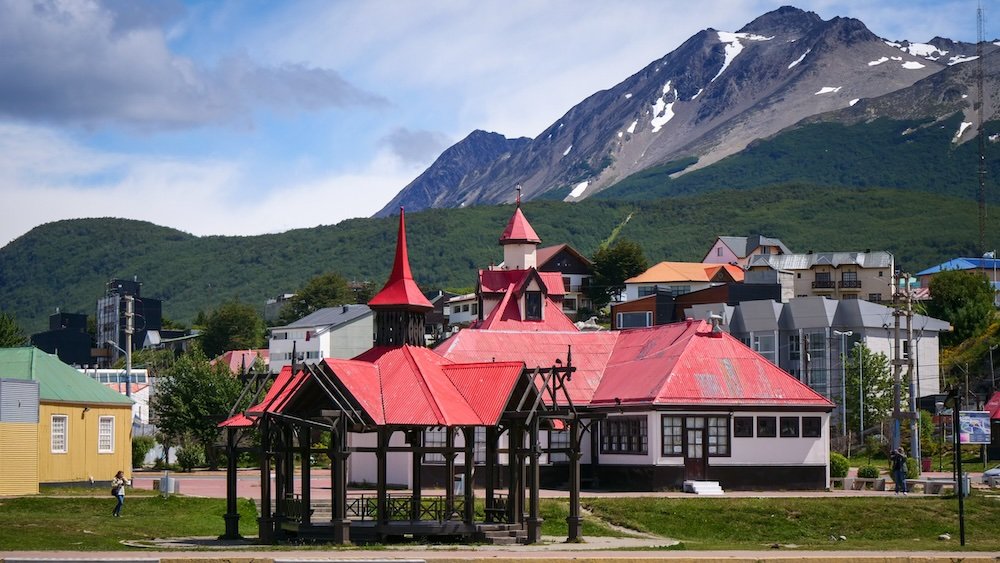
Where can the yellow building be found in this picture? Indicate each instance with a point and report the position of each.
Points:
(83, 430)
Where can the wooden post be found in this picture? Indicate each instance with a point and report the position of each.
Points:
(470, 463)
(449, 469)
(515, 486)
(338, 486)
(382, 501)
(265, 525)
(488, 470)
(232, 515)
(417, 459)
(573, 520)
(305, 453)
(534, 518)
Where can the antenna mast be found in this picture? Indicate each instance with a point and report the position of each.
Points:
(980, 39)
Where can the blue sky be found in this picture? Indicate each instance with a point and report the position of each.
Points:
(248, 116)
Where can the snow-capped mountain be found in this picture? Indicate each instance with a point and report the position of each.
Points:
(708, 99)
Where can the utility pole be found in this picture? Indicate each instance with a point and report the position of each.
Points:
(913, 384)
(981, 101)
(897, 364)
(129, 329)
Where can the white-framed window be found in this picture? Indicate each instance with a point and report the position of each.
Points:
(106, 435)
(59, 437)
(434, 438)
(635, 319)
(558, 439)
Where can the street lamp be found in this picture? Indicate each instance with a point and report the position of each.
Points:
(843, 379)
(992, 256)
(128, 367)
(861, 391)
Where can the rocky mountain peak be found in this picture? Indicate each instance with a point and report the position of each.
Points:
(786, 20)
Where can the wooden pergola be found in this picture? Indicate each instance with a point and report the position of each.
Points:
(320, 397)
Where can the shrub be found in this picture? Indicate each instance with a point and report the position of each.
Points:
(868, 472)
(140, 447)
(190, 457)
(912, 468)
(838, 465)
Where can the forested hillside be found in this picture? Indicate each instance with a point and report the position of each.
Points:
(66, 264)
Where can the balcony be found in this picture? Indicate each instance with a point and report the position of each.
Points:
(850, 285)
(824, 285)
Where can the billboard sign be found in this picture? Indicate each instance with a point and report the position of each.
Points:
(974, 427)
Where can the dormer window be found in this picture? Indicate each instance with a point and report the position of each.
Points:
(532, 305)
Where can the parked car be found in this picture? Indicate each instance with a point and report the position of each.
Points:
(995, 472)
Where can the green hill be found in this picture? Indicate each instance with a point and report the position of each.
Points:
(883, 153)
(66, 264)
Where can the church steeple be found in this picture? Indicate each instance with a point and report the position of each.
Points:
(519, 240)
(400, 305)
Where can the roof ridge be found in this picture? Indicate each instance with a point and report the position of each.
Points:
(421, 378)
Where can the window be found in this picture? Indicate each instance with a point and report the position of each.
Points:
(533, 305)
(645, 290)
(718, 251)
(567, 285)
(434, 438)
(624, 435)
(637, 319)
(766, 427)
(279, 336)
(849, 276)
(743, 427)
(789, 427)
(465, 308)
(718, 436)
(794, 348)
(60, 428)
(817, 372)
(676, 290)
(314, 355)
(812, 427)
(848, 296)
(558, 439)
(875, 297)
(474, 309)
(823, 276)
(106, 435)
(673, 435)
(569, 304)
(764, 345)
(479, 445)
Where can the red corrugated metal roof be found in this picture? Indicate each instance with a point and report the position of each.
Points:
(537, 349)
(478, 384)
(507, 316)
(498, 281)
(675, 364)
(283, 388)
(518, 230)
(993, 406)
(362, 381)
(400, 290)
(242, 359)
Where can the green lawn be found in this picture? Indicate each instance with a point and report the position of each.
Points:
(85, 523)
(868, 523)
(879, 523)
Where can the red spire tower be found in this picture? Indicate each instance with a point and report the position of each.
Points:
(400, 305)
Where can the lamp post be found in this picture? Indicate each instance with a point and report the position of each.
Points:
(843, 379)
(128, 367)
(861, 391)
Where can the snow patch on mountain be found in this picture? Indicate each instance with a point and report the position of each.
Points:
(828, 90)
(878, 61)
(961, 129)
(663, 111)
(958, 59)
(579, 189)
(912, 65)
(799, 60)
(569, 148)
(854, 101)
(631, 128)
(734, 47)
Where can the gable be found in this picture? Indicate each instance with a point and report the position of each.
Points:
(564, 260)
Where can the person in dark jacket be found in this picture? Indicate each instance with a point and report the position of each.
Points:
(898, 460)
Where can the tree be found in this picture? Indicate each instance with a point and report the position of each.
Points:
(192, 397)
(612, 266)
(964, 299)
(873, 380)
(11, 335)
(325, 290)
(233, 326)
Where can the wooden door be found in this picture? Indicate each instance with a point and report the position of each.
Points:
(694, 448)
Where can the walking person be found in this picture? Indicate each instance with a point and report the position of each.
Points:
(118, 485)
(898, 460)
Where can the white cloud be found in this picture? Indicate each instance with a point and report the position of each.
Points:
(74, 61)
(45, 176)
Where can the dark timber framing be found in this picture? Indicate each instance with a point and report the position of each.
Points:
(539, 401)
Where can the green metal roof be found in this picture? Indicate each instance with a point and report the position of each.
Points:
(57, 382)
